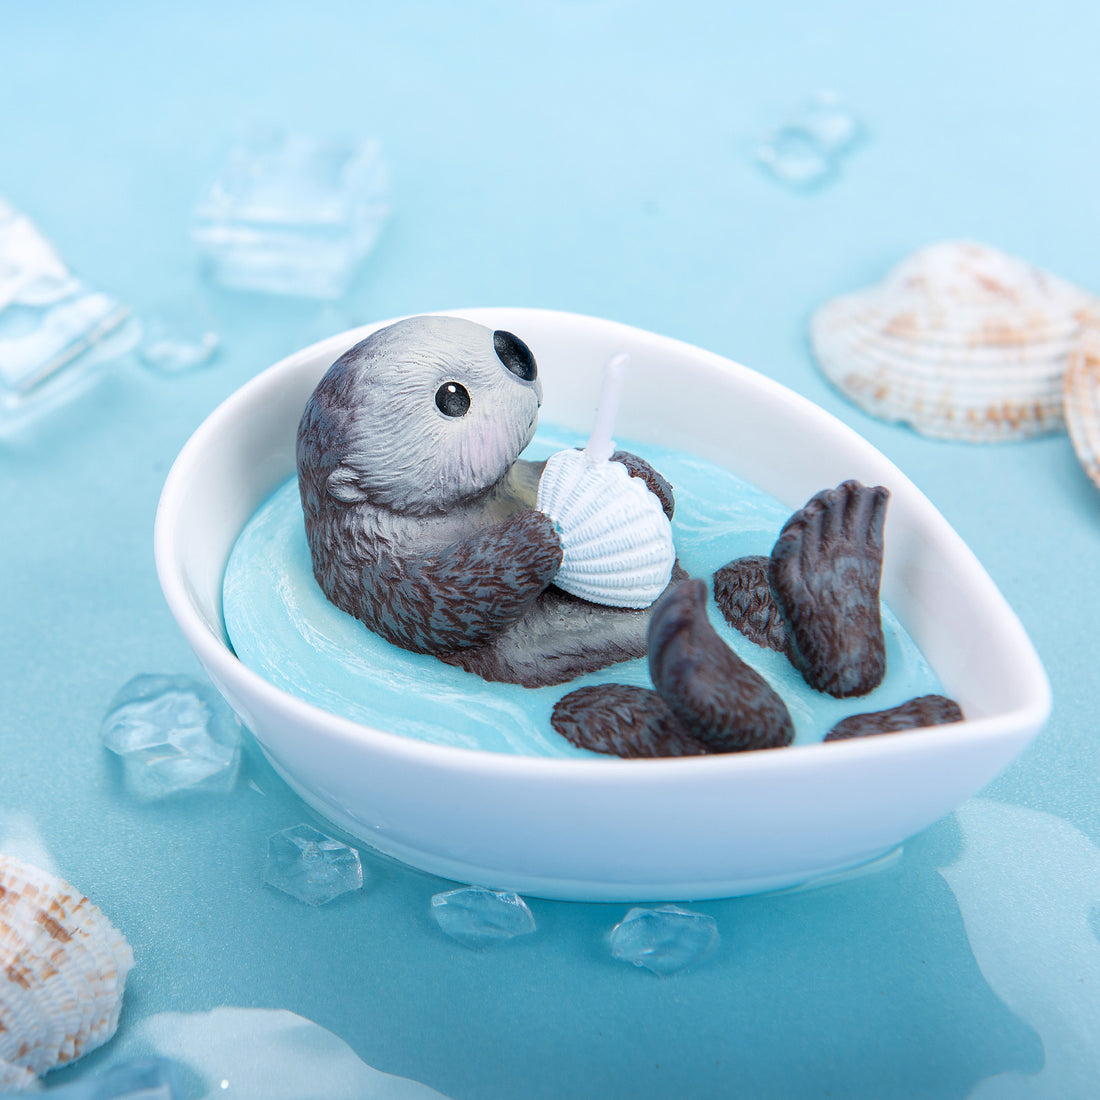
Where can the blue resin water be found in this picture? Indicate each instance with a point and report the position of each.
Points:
(282, 626)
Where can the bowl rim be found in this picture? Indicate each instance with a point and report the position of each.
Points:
(216, 655)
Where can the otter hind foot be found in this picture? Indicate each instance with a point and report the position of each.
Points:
(825, 572)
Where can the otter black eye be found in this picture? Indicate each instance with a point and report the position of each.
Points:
(452, 399)
(515, 355)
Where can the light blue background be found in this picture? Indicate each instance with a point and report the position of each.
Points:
(596, 157)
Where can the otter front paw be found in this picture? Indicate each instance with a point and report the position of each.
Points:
(466, 593)
(654, 482)
(617, 547)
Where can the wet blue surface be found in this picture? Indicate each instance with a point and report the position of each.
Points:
(597, 157)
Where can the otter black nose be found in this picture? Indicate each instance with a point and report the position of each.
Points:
(515, 355)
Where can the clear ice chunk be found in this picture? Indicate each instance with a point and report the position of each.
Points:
(53, 329)
(476, 916)
(173, 734)
(832, 123)
(293, 214)
(311, 866)
(177, 337)
(139, 1079)
(805, 152)
(665, 939)
(792, 154)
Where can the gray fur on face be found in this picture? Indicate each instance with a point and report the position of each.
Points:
(374, 429)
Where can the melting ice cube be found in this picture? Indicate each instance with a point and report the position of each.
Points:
(793, 156)
(476, 916)
(173, 734)
(311, 866)
(53, 329)
(805, 152)
(293, 214)
(831, 121)
(665, 939)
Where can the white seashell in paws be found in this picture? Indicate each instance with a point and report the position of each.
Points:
(960, 341)
(63, 969)
(617, 546)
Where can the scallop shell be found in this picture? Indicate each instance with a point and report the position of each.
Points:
(63, 968)
(617, 544)
(1081, 400)
(960, 341)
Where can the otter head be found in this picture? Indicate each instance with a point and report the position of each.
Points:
(418, 417)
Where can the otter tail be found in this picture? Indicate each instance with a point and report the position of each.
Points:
(706, 699)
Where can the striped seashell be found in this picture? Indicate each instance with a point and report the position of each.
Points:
(63, 969)
(617, 547)
(1081, 400)
(960, 341)
(16, 1078)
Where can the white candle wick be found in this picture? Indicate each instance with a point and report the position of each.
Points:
(600, 446)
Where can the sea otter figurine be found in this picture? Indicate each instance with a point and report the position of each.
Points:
(424, 523)
(421, 517)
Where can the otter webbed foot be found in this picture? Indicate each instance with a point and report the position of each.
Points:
(816, 598)
(705, 694)
(825, 572)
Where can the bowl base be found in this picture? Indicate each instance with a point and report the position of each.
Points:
(589, 890)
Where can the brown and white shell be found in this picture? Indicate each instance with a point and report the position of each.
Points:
(63, 969)
(1081, 400)
(960, 341)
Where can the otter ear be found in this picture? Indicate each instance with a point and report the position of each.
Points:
(343, 484)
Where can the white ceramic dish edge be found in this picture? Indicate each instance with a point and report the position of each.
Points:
(622, 830)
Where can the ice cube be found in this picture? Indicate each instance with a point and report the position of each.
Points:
(173, 733)
(793, 155)
(476, 916)
(832, 122)
(311, 866)
(664, 939)
(53, 329)
(293, 214)
(806, 151)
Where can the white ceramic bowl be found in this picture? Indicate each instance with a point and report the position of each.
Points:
(622, 830)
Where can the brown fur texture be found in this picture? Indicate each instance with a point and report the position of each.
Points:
(825, 572)
(623, 721)
(816, 598)
(705, 699)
